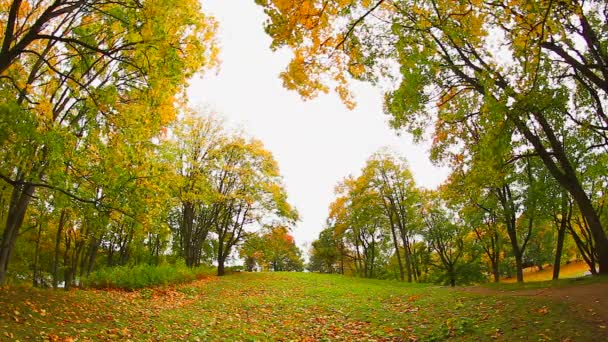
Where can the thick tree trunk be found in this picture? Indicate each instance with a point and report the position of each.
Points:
(599, 236)
(20, 200)
(452, 275)
(221, 256)
(220, 267)
(186, 234)
(566, 176)
(519, 270)
(495, 272)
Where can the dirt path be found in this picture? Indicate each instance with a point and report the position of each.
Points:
(589, 301)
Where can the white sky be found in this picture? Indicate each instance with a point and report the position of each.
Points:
(316, 143)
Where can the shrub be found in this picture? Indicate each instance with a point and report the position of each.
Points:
(139, 276)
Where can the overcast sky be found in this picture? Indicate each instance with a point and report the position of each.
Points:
(316, 143)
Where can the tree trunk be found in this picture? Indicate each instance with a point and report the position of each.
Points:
(401, 272)
(506, 201)
(599, 236)
(67, 273)
(92, 254)
(221, 256)
(408, 257)
(36, 277)
(341, 258)
(452, 276)
(20, 199)
(586, 249)
(519, 270)
(220, 267)
(62, 220)
(567, 178)
(561, 234)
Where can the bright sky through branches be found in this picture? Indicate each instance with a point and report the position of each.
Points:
(316, 143)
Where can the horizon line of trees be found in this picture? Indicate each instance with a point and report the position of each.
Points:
(381, 225)
(511, 94)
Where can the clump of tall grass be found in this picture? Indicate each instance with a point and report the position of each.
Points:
(144, 275)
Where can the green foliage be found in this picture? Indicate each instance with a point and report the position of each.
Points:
(140, 276)
(324, 253)
(272, 249)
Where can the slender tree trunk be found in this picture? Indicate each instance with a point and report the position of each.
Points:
(62, 220)
(408, 256)
(585, 249)
(397, 254)
(341, 258)
(357, 257)
(415, 265)
(36, 277)
(561, 234)
(506, 202)
(67, 273)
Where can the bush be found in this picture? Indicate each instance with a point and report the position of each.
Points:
(130, 278)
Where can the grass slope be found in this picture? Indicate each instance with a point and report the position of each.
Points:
(287, 306)
(571, 270)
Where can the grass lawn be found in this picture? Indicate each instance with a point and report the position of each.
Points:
(288, 306)
(571, 270)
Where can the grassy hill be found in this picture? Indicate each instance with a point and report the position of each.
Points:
(571, 270)
(289, 306)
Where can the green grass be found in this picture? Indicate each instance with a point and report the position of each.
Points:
(532, 285)
(286, 306)
(575, 269)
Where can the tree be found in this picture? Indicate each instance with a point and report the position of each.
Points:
(246, 187)
(445, 236)
(196, 142)
(358, 217)
(393, 181)
(273, 249)
(480, 64)
(94, 83)
(324, 253)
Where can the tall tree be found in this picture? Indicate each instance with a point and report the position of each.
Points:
(247, 188)
(394, 182)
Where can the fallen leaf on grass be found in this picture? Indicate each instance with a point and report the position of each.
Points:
(543, 311)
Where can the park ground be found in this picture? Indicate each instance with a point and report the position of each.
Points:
(310, 307)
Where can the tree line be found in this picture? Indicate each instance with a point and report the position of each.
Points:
(102, 162)
(512, 95)
(382, 225)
